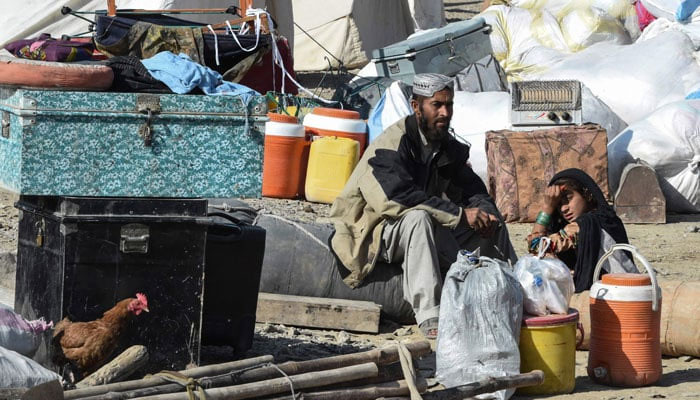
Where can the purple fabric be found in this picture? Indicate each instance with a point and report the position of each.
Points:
(46, 48)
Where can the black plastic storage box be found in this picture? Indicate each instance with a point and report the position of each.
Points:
(78, 256)
(234, 254)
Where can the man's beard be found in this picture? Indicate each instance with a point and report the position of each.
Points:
(432, 132)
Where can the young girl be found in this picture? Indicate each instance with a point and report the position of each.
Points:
(581, 225)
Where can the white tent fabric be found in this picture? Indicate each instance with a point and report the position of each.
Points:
(348, 29)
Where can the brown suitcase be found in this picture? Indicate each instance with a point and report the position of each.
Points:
(520, 164)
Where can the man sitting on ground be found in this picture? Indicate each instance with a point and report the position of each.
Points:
(414, 199)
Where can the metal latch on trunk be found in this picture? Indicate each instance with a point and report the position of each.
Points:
(5, 124)
(148, 105)
(134, 238)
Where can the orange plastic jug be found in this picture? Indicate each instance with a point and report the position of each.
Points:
(625, 312)
(341, 123)
(283, 159)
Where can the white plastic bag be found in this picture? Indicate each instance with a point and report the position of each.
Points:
(18, 371)
(547, 284)
(479, 327)
(391, 107)
(20, 335)
(669, 141)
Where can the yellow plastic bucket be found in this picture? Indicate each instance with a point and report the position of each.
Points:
(548, 343)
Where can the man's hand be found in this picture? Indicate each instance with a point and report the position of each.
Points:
(552, 197)
(483, 223)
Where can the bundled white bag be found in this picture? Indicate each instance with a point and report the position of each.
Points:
(547, 284)
(516, 32)
(479, 327)
(634, 80)
(621, 11)
(18, 371)
(674, 10)
(474, 114)
(669, 141)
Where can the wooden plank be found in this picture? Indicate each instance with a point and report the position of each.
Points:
(316, 312)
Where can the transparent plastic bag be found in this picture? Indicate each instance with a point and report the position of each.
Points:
(479, 328)
(547, 284)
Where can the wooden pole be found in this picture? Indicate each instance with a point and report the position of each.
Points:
(381, 357)
(116, 370)
(280, 385)
(490, 385)
(369, 392)
(215, 369)
(384, 356)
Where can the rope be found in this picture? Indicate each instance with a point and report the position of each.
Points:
(319, 44)
(409, 373)
(188, 383)
(216, 44)
(301, 228)
(291, 384)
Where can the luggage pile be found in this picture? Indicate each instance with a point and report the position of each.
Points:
(113, 145)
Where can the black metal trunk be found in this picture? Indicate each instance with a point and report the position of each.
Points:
(77, 257)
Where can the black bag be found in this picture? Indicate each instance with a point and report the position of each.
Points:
(298, 261)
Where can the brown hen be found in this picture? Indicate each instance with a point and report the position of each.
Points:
(88, 345)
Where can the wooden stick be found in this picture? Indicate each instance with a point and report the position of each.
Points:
(380, 357)
(384, 356)
(280, 385)
(215, 369)
(490, 385)
(369, 392)
(116, 370)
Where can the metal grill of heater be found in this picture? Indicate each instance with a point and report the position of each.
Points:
(546, 103)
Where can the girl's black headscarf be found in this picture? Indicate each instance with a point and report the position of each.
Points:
(585, 257)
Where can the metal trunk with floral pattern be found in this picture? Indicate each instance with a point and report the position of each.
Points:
(130, 144)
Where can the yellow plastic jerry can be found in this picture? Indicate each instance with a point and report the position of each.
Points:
(331, 161)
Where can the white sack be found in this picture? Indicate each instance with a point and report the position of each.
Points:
(474, 114)
(18, 371)
(669, 141)
(661, 25)
(673, 9)
(620, 10)
(516, 32)
(634, 80)
(391, 107)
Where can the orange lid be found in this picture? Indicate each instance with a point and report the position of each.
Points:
(551, 319)
(275, 117)
(334, 112)
(626, 279)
